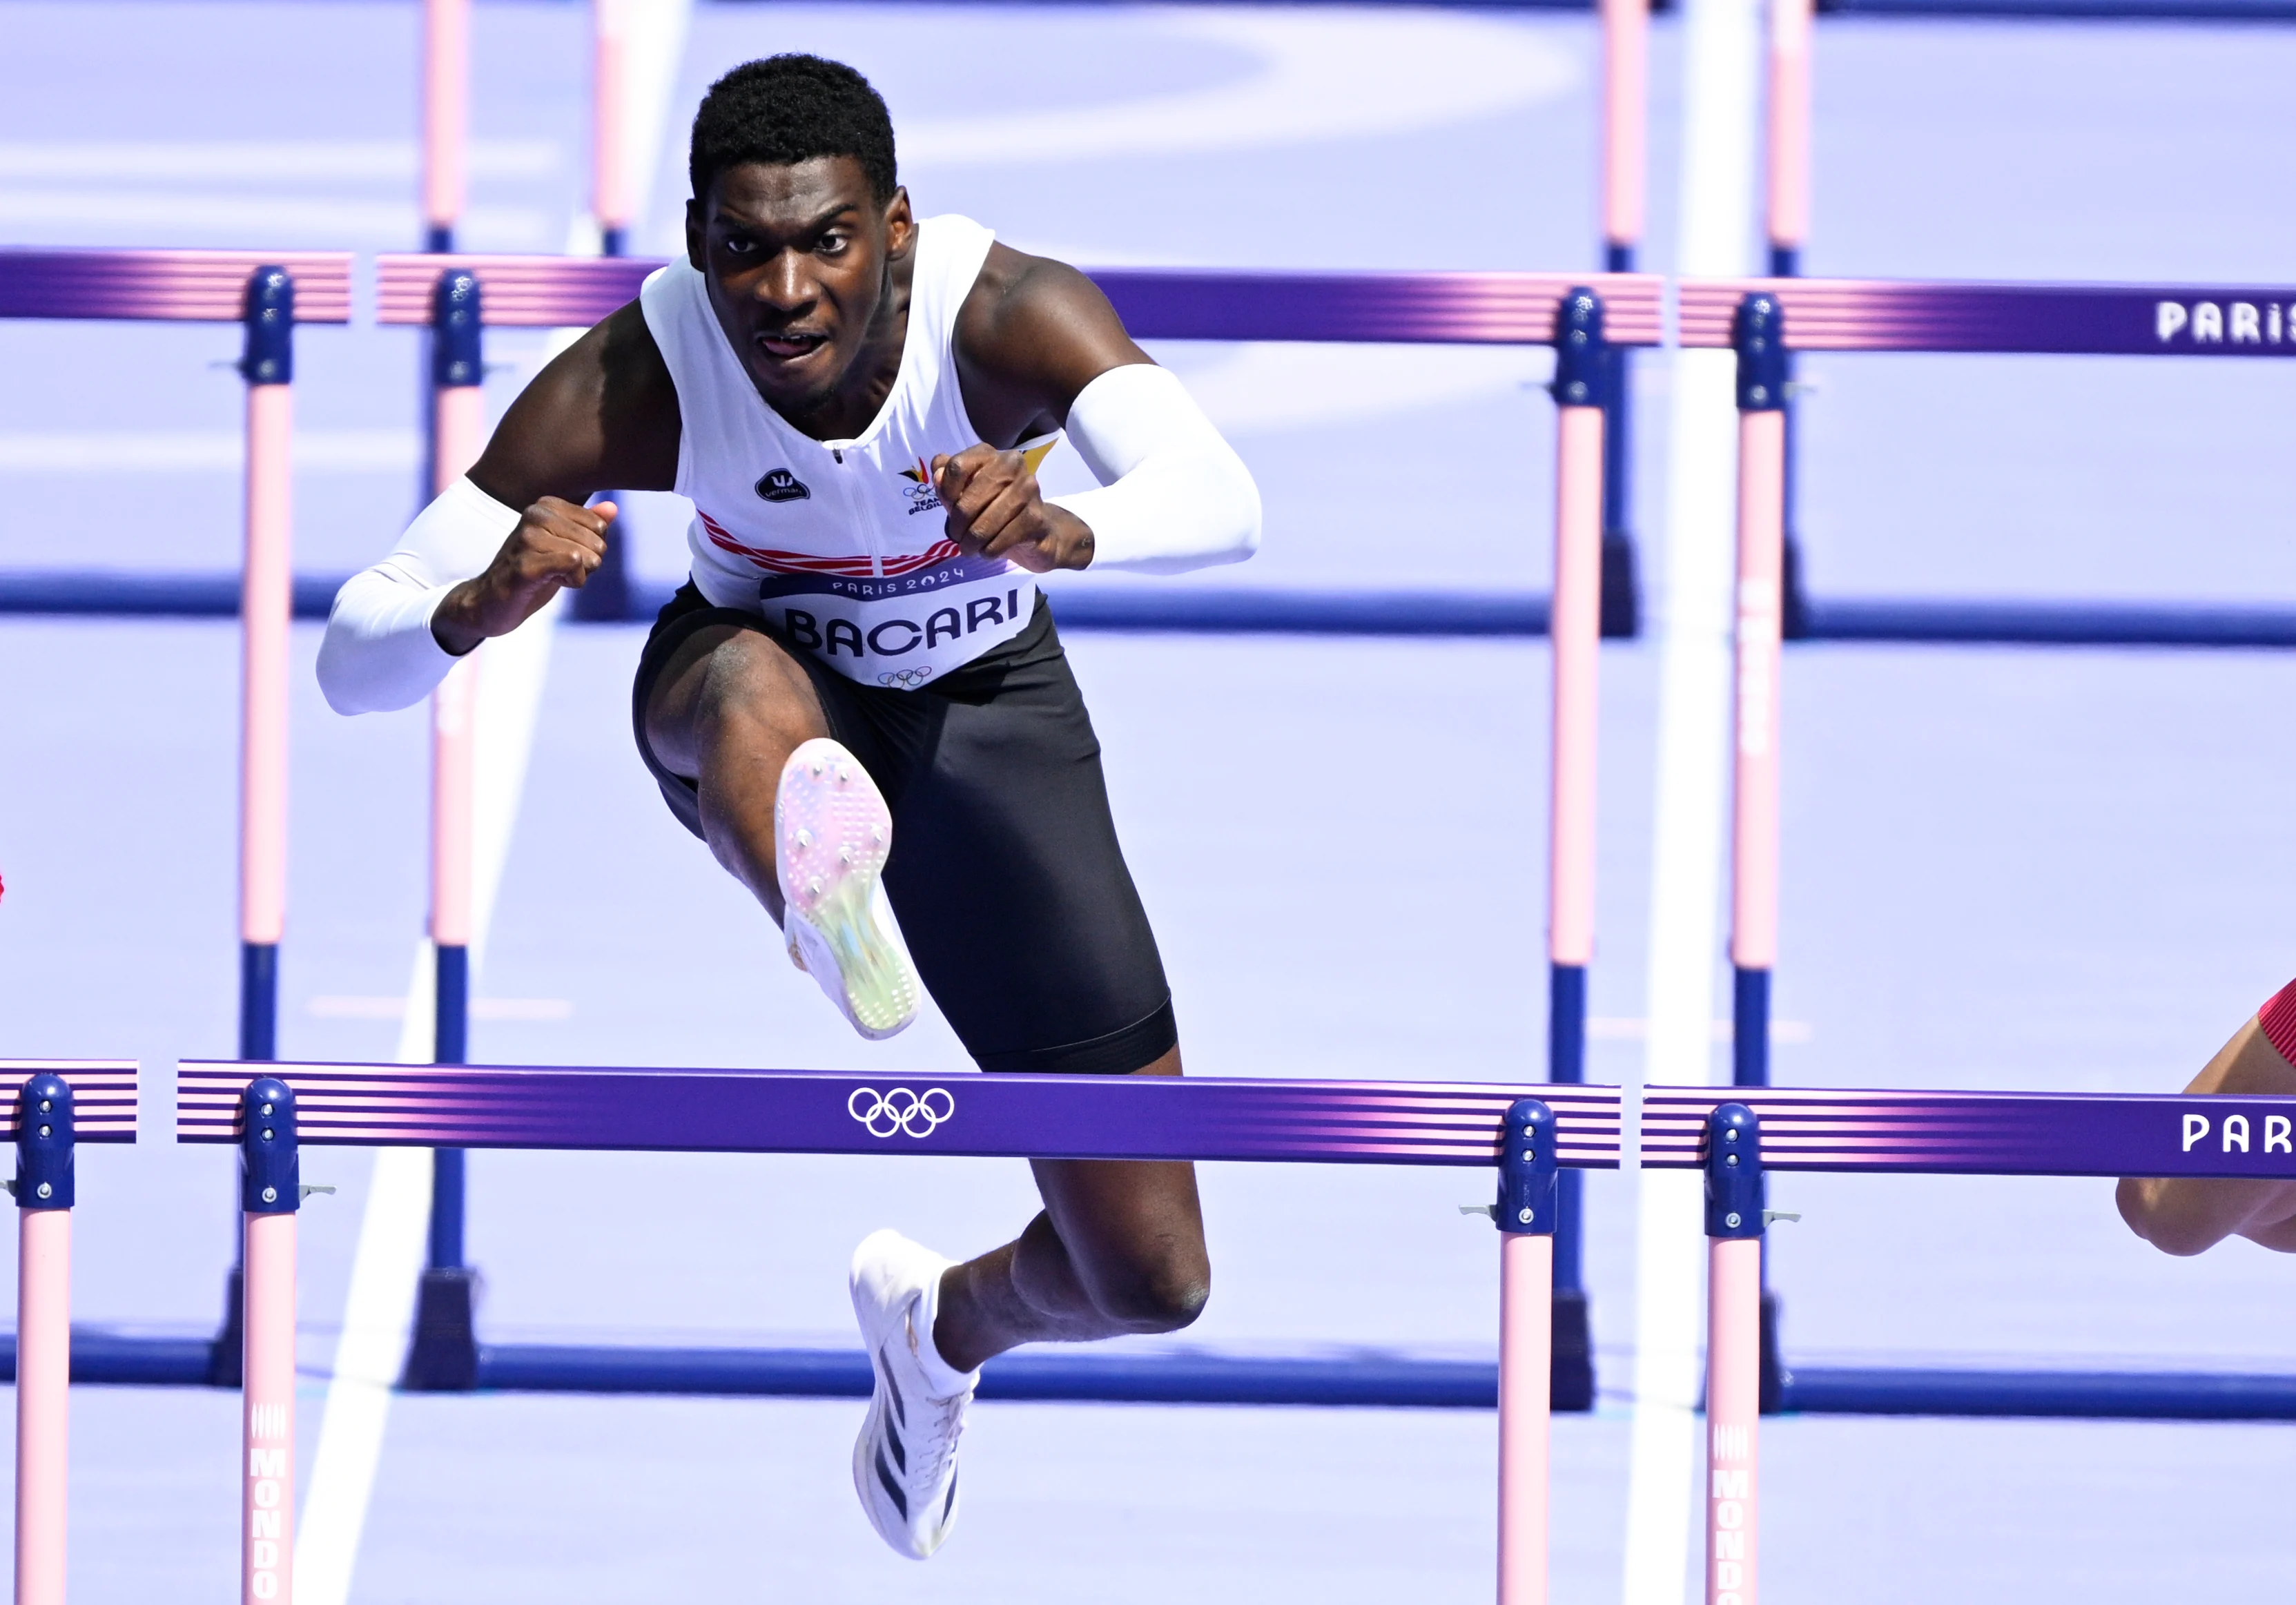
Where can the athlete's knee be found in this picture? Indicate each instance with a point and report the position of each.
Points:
(1160, 1290)
(750, 686)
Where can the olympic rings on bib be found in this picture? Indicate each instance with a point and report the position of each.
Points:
(884, 1114)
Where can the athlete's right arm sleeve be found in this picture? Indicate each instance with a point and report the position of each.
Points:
(379, 653)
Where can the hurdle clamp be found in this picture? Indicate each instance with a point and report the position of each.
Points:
(45, 1145)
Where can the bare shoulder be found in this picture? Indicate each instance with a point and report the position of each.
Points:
(1033, 332)
(602, 415)
(2248, 1066)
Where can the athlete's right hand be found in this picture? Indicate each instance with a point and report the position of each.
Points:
(557, 543)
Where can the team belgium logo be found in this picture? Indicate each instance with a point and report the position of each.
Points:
(780, 484)
(922, 496)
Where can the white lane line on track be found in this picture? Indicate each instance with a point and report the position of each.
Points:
(378, 1312)
(1324, 76)
(1720, 94)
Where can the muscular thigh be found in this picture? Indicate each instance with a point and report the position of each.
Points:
(721, 670)
(1012, 886)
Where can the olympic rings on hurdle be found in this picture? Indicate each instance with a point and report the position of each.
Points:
(901, 1110)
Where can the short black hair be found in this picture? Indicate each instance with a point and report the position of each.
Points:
(789, 109)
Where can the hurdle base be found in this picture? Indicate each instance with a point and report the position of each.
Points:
(1793, 601)
(225, 1354)
(1622, 607)
(443, 1353)
(1571, 1377)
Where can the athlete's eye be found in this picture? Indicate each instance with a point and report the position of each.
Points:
(740, 245)
(833, 245)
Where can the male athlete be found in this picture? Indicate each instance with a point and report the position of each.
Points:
(860, 692)
(2187, 1215)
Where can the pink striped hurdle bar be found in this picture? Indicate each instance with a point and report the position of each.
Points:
(2100, 320)
(1490, 308)
(520, 291)
(167, 286)
(40, 1116)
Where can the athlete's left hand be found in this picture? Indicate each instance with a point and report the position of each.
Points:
(994, 509)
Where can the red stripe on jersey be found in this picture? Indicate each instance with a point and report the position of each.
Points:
(802, 562)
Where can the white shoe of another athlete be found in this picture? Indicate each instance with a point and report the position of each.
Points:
(905, 1461)
(831, 834)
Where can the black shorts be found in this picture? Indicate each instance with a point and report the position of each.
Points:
(1005, 871)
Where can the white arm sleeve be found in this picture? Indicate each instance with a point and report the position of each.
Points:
(1174, 495)
(379, 653)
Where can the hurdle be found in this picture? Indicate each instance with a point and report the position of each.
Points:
(1526, 1133)
(268, 293)
(57, 1104)
(1765, 321)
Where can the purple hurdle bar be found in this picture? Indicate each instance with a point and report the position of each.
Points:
(2098, 320)
(1466, 309)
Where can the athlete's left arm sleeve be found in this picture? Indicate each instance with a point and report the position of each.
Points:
(1173, 494)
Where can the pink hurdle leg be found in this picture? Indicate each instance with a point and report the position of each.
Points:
(1626, 75)
(446, 116)
(609, 179)
(1734, 1386)
(1526, 1364)
(43, 1396)
(1761, 578)
(1575, 629)
(268, 1514)
(267, 610)
(1789, 127)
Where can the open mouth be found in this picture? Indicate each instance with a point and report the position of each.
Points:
(790, 346)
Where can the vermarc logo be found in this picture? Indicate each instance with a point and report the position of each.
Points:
(900, 1109)
(780, 484)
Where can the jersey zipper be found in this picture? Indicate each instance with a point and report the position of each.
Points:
(860, 517)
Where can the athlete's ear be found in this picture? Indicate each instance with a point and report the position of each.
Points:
(900, 226)
(694, 253)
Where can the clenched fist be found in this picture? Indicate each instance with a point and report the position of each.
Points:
(557, 543)
(994, 509)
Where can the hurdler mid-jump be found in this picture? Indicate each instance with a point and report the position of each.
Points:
(859, 701)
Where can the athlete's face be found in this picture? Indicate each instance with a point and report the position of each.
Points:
(799, 261)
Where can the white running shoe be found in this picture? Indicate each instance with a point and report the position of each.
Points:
(832, 835)
(905, 1461)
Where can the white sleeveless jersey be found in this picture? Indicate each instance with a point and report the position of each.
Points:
(840, 545)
